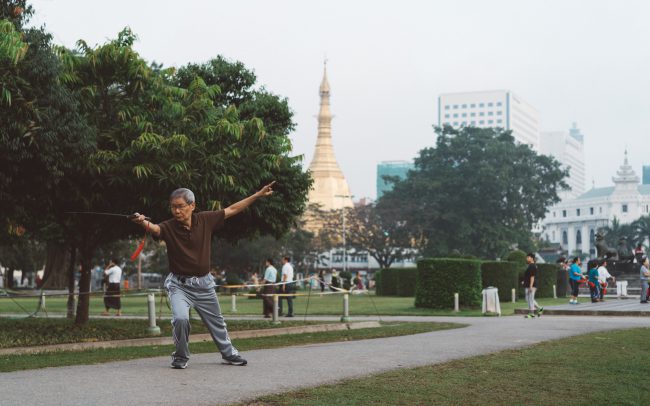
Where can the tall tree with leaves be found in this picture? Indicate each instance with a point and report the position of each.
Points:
(476, 191)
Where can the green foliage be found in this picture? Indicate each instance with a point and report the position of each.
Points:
(386, 282)
(546, 278)
(517, 256)
(562, 282)
(407, 279)
(503, 275)
(476, 191)
(439, 279)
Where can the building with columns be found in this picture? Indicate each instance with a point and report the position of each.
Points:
(573, 223)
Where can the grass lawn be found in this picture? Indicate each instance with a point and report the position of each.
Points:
(40, 331)
(594, 369)
(62, 358)
(363, 304)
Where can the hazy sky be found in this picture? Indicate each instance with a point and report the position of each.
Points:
(583, 61)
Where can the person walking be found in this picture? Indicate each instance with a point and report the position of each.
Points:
(530, 286)
(592, 280)
(645, 277)
(321, 280)
(268, 290)
(288, 286)
(575, 278)
(112, 299)
(188, 237)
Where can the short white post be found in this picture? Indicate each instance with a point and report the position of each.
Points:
(456, 305)
(233, 303)
(554, 292)
(275, 310)
(514, 295)
(346, 308)
(152, 330)
(42, 306)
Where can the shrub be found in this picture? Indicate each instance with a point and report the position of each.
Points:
(517, 256)
(388, 282)
(407, 279)
(503, 275)
(378, 284)
(562, 282)
(439, 279)
(546, 278)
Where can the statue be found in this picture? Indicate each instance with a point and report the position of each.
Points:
(624, 253)
(602, 250)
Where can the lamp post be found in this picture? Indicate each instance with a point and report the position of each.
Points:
(345, 249)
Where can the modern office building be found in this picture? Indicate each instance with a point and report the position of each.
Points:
(391, 168)
(574, 223)
(496, 108)
(568, 148)
(646, 175)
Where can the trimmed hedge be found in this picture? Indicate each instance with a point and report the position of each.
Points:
(517, 256)
(439, 279)
(396, 282)
(562, 282)
(503, 275)
(407, 279)
(546, 278)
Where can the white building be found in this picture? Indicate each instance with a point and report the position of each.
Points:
(496, 108)
(568, 148)
(573, 223)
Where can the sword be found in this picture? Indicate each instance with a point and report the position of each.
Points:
(95, 213)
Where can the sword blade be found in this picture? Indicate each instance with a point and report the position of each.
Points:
(95, 213)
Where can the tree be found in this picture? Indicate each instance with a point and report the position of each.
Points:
(615, 231)
(642, 228)
(380, 231)
(476, 191)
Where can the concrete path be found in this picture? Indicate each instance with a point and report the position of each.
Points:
(610, 307)
(206, 382)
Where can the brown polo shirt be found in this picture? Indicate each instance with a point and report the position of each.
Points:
(188, 251)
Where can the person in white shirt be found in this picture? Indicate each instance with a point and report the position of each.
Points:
(270, 275)
(603, 278)
(112, 294)
(288, 287)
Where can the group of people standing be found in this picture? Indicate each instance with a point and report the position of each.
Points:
(285, 288)
(597, 278)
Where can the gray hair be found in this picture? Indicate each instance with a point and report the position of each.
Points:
(186, 194)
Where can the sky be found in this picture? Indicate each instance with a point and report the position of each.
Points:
(575, 61)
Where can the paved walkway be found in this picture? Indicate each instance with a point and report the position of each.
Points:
(150, 381)
(610, 307)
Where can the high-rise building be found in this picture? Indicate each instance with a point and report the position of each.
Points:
(398, 169)
(568, 148)
(496, 108)
(646, 174)
(330, 189)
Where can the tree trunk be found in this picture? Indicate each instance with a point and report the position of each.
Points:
(83, 304)
(73, 256)
(57, 264)
(9, 274)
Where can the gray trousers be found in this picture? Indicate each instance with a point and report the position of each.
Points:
(198, 292)
(530, 298)
(644, 290)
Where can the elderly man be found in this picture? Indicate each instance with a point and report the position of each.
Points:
(190, 284)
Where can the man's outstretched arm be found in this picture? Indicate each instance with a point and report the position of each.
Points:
(242, 204)
(146, 224)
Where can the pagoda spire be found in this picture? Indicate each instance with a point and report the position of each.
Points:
(330, 189)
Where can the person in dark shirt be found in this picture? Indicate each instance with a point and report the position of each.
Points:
(530, 286)
(187, 236)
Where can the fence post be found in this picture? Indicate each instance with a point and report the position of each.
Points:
(233, 303)
(456, 306)
(554, 292)
(346, 308)
(152, 330)
(275, 310)
(514, 295)
(42, 304)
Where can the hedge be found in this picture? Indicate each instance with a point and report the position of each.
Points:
(396, 282)
(562, 282)
(438, 280)
(546, 278)
(503, 275)
(517, 256)
(407, 279)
